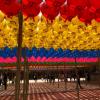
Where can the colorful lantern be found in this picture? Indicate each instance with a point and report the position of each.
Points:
(26, 2)
(94, 5)
(77, 3)
(9, 7)
(49, 12)
(31, 9)
(56, 3)
(86, 16)
(97, 17)
(67, 13)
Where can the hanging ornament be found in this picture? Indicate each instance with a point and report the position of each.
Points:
(97, 17)
(86, 16)
(67, 13)
(49, 12)
(77, 3)
(94, 5)
(50, 2)
(56, 3)
(9, 7)
(31, 9)
(26, 2)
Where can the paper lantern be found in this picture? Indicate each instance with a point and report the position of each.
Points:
(31, 9)
(38, 59)
(97, 17)
(94, 5)
(1, 60)
(10, 7)
(26, 2)
(86, 16)
(56, 3)
(49, 12)
(43, 59)
(77, 3)
(67, 13)
(32, 59)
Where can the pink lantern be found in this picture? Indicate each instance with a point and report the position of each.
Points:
(38, 59)
(43, 59)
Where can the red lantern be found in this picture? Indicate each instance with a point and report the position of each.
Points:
(95, 4)
(50, 2)
(25, 2)
(56, 3)
(86, 16)
(67, 13)
(77, 3)
(97, 15)
(49, 12)
(9, 7)
(31, 9)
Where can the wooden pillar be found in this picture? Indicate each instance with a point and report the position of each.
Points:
(65, 77)
(98, 62)
(18, 66)
(26, 77)
(58, 75)
(77, 77)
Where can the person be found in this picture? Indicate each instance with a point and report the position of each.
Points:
(78, 75)
(88, 78)
(79, 84)
(21, 78)
(35, 77)
(0, 79)
(5, 81)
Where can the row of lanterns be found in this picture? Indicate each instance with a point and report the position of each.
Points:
(42, 52)
(37, 33)
(86, 10)
(56, 41)
(49, 60)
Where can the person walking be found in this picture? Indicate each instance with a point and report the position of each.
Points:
(5, 81)
(0, 79)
